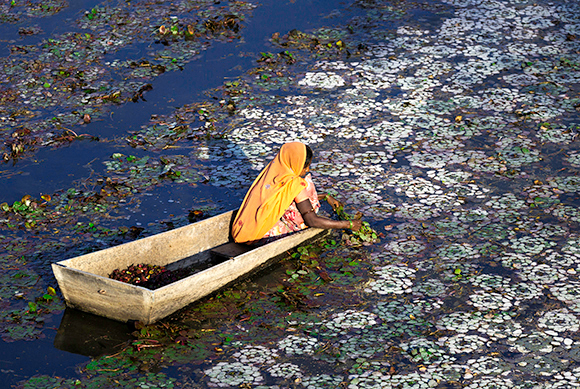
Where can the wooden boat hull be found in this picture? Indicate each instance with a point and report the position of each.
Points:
(85, 285)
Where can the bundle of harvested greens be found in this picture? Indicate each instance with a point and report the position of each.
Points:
(365, 236)
(148, 276)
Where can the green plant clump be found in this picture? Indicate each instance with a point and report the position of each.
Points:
(365, 236)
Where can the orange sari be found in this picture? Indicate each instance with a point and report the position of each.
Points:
(271, 194)
(292, 220)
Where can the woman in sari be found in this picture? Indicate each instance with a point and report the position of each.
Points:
(283, 200)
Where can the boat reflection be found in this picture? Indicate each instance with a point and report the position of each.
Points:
(90, 335)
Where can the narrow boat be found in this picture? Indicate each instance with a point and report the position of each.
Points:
(85, 284)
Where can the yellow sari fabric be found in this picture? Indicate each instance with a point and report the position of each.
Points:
(271, 194)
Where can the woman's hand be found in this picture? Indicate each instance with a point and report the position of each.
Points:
(356, 225)
(334, 203)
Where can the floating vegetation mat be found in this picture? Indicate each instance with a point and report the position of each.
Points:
(455, 135)
(75, 78)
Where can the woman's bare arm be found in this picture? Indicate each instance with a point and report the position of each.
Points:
(311, 219)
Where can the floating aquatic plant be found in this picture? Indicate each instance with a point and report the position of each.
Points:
(342, 322)
(225, 374)
(258, 355)
(393, 279)
(487, 366)
(559, 321)
(293, 344)
(462, 343)
(285, 370)
(490, 300)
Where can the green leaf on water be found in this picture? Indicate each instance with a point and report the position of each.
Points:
(302, 251)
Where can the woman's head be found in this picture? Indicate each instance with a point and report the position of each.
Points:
(296, 156)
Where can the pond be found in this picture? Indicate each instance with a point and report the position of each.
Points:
(451, 125)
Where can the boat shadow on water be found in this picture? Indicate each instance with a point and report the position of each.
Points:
(90, 335)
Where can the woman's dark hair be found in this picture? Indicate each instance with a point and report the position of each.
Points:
(309, 155)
